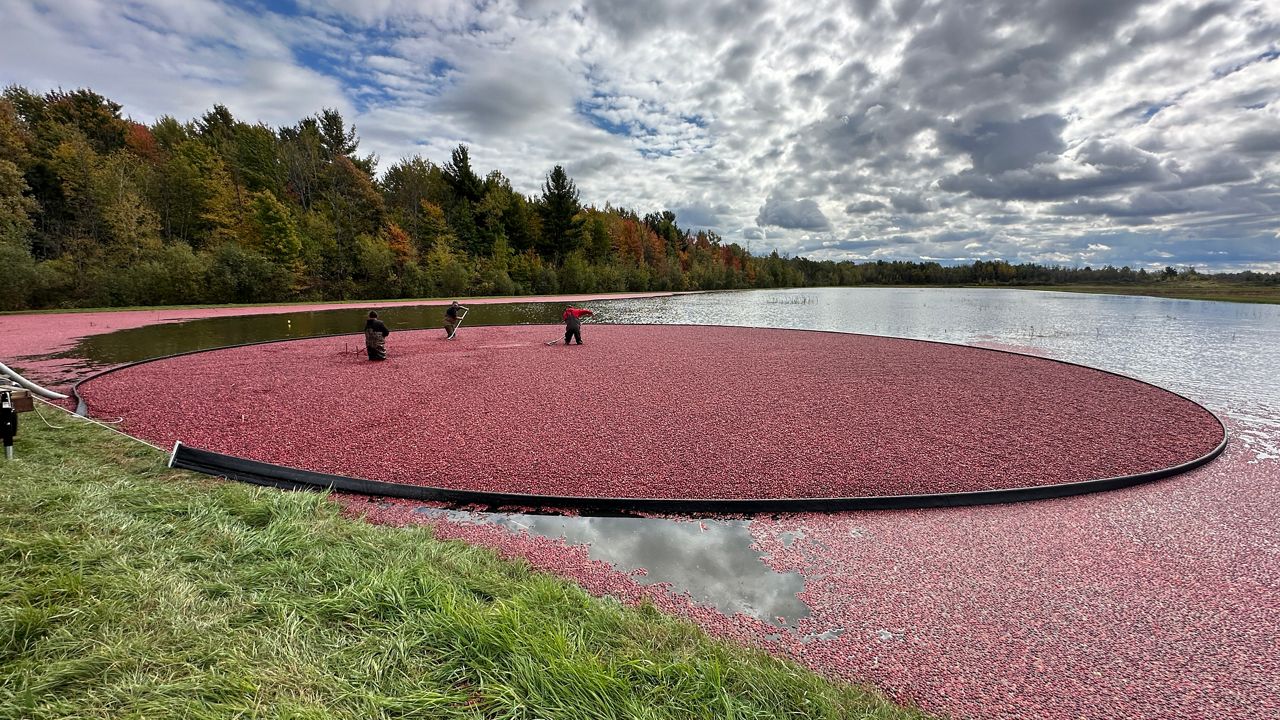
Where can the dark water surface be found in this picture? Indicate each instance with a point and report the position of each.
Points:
(1224, 355)
(159, 340)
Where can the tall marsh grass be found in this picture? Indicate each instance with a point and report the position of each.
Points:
(128, 590)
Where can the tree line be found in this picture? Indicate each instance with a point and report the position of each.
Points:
(97, 210)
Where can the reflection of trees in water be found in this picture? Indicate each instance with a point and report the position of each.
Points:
(167, 339)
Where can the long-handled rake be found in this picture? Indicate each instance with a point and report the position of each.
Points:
(461, 316)
(558, 338)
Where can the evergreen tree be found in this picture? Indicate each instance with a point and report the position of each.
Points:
(217, 127)
(558, 207)
(335, 138)
(462, 179)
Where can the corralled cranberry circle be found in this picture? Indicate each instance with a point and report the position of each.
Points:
(662, 412)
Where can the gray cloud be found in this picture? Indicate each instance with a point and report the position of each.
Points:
(864, 206)
(911, 203)
(516, 88)
(587, 167)
(739, 60)
(630, 20)
(1024, 129)
(995, 147)
(1259, 142)
(700, 215)
(779, 211)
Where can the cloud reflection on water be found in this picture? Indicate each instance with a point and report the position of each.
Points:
(711, 560)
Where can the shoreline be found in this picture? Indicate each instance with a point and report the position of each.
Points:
(44, 332)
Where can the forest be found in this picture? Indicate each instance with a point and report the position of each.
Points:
(97, 210)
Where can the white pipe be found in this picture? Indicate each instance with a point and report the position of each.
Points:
(30, 385)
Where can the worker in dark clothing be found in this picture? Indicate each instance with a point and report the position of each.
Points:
(375, 337)
(573, 323)
(452, 318)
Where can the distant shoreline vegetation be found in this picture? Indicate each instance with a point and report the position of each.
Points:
(99, 211)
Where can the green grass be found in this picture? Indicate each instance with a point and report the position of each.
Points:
(1183, 290)
(128, 590)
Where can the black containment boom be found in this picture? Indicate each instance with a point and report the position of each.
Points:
(8, 422)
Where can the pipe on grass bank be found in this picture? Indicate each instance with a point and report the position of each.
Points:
(42, 392)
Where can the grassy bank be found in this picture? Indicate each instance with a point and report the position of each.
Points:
(1183, 290)
(130, 590)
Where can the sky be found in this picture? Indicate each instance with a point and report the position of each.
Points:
(1067, 132)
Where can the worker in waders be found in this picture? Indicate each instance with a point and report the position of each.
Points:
(375, 337)
(452, 319)
(573, 323)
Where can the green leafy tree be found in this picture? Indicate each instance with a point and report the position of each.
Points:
(245, 155)
(237, 274)
(352, 200)
(447, 271)
(576, 275)
(406, 186)
(303, 160)
(256, 157)
(20, 277)
(132, 227)
(433, 228)
(72, 164)
(16, 208)
(94, 116)
(320, 279)
(375, 268)
(275, 231)
(15, 140)
(203, 200)
(595, 236)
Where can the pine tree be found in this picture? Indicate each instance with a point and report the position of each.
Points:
(335, 138)
(462, 179)
(558, 206)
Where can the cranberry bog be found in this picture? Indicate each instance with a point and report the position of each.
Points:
(685, 413)
(1153, 601)
(43, 343)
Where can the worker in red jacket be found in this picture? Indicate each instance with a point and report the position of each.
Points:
(573, 323)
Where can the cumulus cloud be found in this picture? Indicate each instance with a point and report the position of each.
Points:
(589, 166)
(1034, 130)
(701, 214)
(996, 147)
(783, 212)
(864, 206)
(911, 203)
